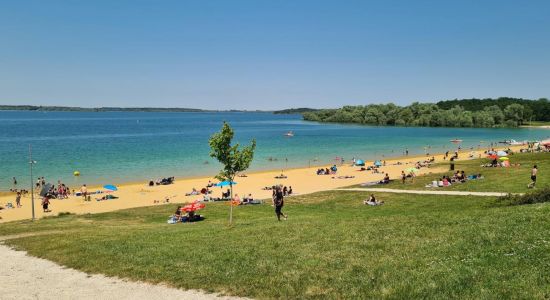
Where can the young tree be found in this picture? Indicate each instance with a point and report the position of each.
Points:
(233, 159)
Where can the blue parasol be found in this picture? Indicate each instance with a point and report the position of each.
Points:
(224, 183)
(377, 163)
(360, 162)
(110, 187)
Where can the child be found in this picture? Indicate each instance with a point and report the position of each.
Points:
(45, 203)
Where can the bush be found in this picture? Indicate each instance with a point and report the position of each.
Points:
(537, 196)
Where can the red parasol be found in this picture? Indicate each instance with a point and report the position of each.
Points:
(193, 207)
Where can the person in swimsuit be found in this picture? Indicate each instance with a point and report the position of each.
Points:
(18, 199)
(534, 172)
(278, 202)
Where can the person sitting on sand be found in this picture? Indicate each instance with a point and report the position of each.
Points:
(372, 201)
(237, 199)
(386, 179)
(193, 192)
(248, 198)
(343, 177)
(282, 176)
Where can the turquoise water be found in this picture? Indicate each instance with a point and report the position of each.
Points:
(116, 147)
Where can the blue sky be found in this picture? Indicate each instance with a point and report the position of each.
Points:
(270, 54)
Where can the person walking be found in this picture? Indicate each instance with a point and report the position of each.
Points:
(278, 202)
(534, 172)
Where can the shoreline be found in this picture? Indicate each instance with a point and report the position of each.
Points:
(303, 180)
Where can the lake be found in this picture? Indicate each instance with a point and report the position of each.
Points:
(116, 147)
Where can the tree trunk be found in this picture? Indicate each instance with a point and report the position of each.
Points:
(231, 203)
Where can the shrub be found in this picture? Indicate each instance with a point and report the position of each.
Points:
(537, 196)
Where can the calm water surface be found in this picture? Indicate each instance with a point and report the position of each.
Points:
(114, 147)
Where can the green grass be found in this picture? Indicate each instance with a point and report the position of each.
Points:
(332, 246)
(508, 180)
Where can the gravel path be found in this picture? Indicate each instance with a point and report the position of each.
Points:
(454, 193)
(27, 277)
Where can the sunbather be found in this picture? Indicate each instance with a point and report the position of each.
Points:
(372, 201)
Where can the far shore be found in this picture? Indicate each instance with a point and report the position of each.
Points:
(303, 181)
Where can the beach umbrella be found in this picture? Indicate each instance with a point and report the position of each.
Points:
(188, 209)
(110, 187)
(193, 207)
(377, 163)
(360, 162)
(502, 153)
(225, 183)
(45, 189)
(504, 158)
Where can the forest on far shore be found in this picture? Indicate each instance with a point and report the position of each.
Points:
(501, 112)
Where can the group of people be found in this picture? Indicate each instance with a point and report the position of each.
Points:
(187, 217)
(163, 181)
(327, 171)
(61, 191)
(457, 177)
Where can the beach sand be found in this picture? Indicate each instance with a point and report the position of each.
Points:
(302, 180)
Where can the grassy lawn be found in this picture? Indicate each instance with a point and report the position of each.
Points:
(332, 246)
(509, 180)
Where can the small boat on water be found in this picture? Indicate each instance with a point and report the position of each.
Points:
(456, 141)
(289, 134)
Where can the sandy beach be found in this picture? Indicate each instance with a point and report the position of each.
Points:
(302, 180)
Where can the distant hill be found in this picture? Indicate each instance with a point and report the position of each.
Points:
(98, 109)
(295, 110)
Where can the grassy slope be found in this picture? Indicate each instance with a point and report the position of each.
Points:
(331, 247)
(512, 180)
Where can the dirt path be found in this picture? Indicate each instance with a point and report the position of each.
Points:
(26, 277)
(453, 193)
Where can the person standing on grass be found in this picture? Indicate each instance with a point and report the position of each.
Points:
(533, 177)
(278, 202)
(403, 176)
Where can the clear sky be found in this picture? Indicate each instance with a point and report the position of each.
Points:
(257, 54)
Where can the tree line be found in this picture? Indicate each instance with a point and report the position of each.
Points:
(435, 115)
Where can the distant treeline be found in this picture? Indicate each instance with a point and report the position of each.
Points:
(98, 109)
(502, 112)
(538, 110)
(295, 110)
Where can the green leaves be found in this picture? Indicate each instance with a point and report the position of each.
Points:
(232, 158)
(428, 114)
